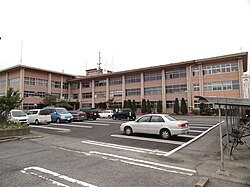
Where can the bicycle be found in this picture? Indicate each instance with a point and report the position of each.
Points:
(235, 138)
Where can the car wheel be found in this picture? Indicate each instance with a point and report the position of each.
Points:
(37, 122)
(57, 120)
(128, 131)
(48, 123)
(165, 134)
(69, 121)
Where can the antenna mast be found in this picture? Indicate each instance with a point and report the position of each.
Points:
(99, 63)
(21, 59)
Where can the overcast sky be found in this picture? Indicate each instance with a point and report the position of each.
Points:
(67, 35)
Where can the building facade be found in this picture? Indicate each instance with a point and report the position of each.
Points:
(217, 76)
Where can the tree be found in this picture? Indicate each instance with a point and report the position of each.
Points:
(143, 106)
(129, 104)
(148, 107)
(176, 106)
(49, 99)
(134, 106)
(110, 103)
(10, 101)
(159, 106)
(184, 109)
(125, 104)
(202, 108)
(64, 104)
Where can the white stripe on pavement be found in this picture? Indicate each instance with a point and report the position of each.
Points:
(52, 128)
(195, 127)
(137, 162)
(123, 147)
(186, 136)
(195, 131)
(148, 139)
(54, 175)
(70, 125)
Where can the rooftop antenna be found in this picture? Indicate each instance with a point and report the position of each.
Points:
(99, 63)
(21, 59)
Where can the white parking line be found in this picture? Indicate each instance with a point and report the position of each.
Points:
(52, 128)
(137, 162)
(94, 123)
(186, 136)
(54, 175)
(195, 127)
(148, 139)
(127, 148)
(195, 131)
(70, 125)
(199, 124)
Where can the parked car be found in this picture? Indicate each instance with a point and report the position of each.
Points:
(162, 124)
(18, 116)
(59, 115)
(38, 116)
(91, 113)
(78, 115)
(106, 114)
(125, 113)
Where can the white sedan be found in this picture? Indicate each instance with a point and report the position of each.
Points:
(106, 113)
(162, 124)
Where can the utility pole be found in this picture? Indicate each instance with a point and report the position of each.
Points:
(99, 63)
(21, 59)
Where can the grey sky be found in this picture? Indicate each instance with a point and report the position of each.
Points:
(68, 34)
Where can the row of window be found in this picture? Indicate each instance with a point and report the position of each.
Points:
(217, 69)
(43, 82)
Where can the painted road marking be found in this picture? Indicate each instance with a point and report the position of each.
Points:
(199, 124)
(52, 128)
(186, 136)
(192, 140)
(70, 125)
(195, 131)
(32, 170)
(134, 161)
(94, 123)
(127, 148)
(195, 127)
(148, 139)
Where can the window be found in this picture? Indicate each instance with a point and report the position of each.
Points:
(57, 95)
(157, 119)
(153, 91)
(152, 76)
(223, 68)
(87, 95)
(144, 119)
(35, 81)
(100, 83)
(218, 86)
(14, 82)
(34, 94)
(133, 78)
(115, 93)
(86, 84)
(196, 87)
(2, 84)
(100, 94)
(170, 104)
(65, 85)
(55, 84)
(75, 86)
(195, 71)
(175, 74)
(65, 96)
(117, 80)
(176, 88)
(136, 91)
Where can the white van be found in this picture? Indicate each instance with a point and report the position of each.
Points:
(18, 116)
(106, 114)
(38, 116)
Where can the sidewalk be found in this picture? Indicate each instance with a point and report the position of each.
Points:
(204, 156)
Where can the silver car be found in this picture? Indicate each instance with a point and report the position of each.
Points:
(162, 124)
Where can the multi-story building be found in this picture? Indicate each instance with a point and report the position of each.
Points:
(217, 76)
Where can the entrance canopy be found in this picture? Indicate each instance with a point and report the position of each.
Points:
(224, 101)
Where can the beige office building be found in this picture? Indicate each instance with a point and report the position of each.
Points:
(216, 76)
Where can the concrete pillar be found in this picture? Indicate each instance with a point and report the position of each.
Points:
(142, 86)
(123, 88)
(6, 82)
(21, 85)
(163, 90)
(80, 95)
(49, 84)
(61, 89)
(240, 70)
(189, 87)
(93, 94)
(107, 89)
(201, 82)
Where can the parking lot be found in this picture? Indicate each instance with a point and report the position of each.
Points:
(106, 133)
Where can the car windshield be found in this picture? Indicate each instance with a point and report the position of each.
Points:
(18, 113)
(170, 118)
(61, 111)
